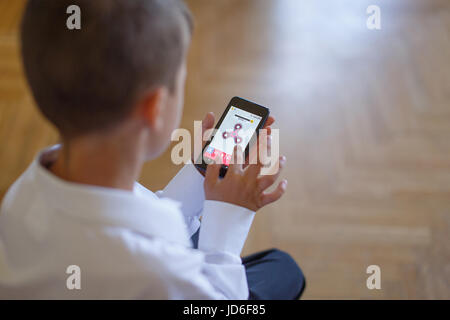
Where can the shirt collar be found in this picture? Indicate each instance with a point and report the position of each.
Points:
(152, 216)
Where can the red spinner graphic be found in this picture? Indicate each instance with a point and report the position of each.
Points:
(234, 134)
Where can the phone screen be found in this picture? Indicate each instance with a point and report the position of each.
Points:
(237, 128)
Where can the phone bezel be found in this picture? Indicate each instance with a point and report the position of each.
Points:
(243, 104)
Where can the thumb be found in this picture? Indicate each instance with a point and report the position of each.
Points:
(208, 122)
(212, 174)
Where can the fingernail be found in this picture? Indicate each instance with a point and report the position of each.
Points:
(284, 184)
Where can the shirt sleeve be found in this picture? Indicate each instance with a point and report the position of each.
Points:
(187, 188)
(222, 236)
(193, 274)
(225, 227)
(215, 270)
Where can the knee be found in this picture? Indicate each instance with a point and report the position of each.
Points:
(283, 256)
(291, 267)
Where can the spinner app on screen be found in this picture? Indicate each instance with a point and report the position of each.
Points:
(237, 128)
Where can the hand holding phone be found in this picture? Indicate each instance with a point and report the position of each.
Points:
(243, 186)
(208, 124)
(240, 122)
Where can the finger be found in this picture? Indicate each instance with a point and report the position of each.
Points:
(207, 124)
(208, 121)
(237, 159)
(252, 157)
(268, 180)
(252, 171)
(254, 162)
(212, 174)
(267, 198)
(264, 150)
(270, 120)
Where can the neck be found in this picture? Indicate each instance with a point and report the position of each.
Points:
(112, 161)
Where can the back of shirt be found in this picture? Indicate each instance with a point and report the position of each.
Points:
(61, 240)
(39, 244)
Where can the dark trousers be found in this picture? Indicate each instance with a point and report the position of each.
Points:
(271, 275)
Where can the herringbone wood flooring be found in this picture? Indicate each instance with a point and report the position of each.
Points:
(364, 119)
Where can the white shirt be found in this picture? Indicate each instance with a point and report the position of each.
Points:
(127, 244)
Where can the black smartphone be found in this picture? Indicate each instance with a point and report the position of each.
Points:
(240, 121)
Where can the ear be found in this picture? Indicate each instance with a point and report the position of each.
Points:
(152, 107)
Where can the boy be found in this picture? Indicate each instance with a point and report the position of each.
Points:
(114, 90)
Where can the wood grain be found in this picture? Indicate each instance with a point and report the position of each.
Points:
(364, 119)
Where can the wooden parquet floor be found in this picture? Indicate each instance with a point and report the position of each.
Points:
(364, 119)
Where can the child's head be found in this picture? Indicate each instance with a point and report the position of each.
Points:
(126, 64)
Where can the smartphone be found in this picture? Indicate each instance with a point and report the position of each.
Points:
(240, 121)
